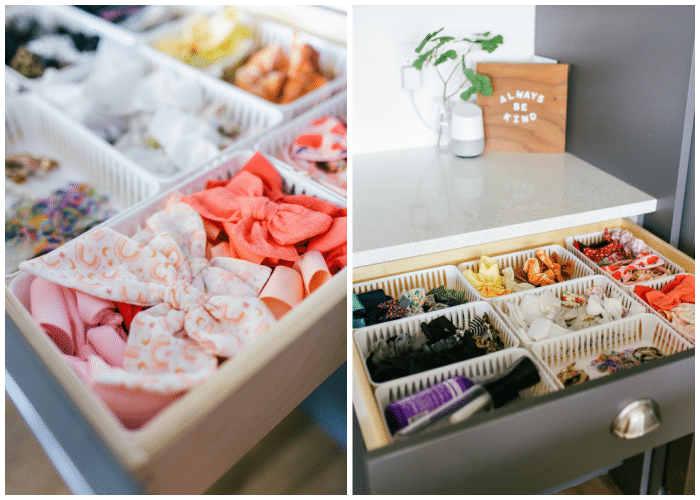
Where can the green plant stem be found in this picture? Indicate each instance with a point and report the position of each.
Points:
(445, 97)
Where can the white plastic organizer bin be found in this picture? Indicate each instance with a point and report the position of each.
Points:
(578, 286)
(332, 61)
(658, 285)
(517, 260)
(477, 370)
(431, 278)
(52, 16)
(252, 117)
(628, 333)
(460, 316)
(597, 237)
(34, 127)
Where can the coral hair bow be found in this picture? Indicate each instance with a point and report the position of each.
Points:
(682, 289)
(200, 309)
(264, 224)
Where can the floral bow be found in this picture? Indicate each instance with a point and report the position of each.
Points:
(624, 273)
(200, 309)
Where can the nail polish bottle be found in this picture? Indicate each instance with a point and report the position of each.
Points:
(431, 404)
(460, 396)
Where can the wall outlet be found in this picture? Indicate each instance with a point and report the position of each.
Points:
(404, 55)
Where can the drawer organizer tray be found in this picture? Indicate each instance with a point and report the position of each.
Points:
(221, 419)
(393, 286)
(478, 370)
(658, 284)
(34, 127)
(332, 60)
(52, 16)
(518, 259)
(628, 333)
(578, 286)
(274, 142)
(251, 116)
(597, 237)
(459, 316)
(241, 109)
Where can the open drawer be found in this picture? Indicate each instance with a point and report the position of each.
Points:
(197, 438)
(533, 445)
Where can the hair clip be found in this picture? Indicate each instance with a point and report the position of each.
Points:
(647, 353)
(20, 166)
(570, 376)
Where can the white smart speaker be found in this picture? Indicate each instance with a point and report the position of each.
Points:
(467, 130)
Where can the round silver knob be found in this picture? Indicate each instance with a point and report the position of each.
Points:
(637, 419)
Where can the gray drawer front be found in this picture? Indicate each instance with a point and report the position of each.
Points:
(537, 445)
(77, 452)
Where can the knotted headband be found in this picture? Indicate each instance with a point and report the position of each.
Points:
(643, 262)
(320, 152)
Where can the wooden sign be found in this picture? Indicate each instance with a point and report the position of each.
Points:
(527, 110)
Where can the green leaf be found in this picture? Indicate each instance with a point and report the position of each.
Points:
(450, 54)
(487, 33)
(480, 83)
(442, 41)
(427, 39)
(487, 90)
(418, 63)
(492, 44)
(467, 93)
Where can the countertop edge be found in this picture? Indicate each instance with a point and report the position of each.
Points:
(408, 250)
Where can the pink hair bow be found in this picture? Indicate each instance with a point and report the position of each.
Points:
(200, 309)
(627, 239)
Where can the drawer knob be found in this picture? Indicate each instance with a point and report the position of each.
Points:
(637, 419)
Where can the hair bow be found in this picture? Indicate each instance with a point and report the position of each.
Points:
(632, 245)
(320, 152)
(265, 225)
(199, 309)
(624, 272)
(488, 281)
(680, 290)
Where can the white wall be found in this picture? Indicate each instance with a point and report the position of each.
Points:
(384, 118)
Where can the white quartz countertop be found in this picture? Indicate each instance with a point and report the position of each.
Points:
(419, 201)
